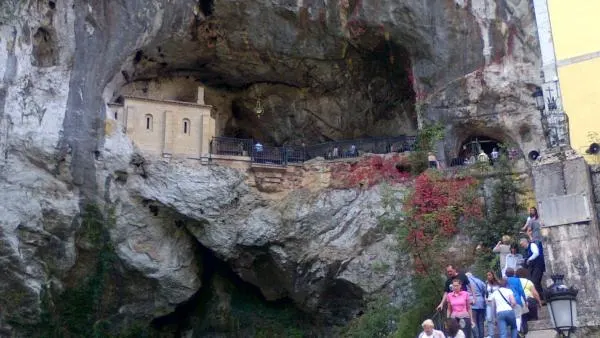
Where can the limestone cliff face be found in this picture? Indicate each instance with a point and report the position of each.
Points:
(326, 70)
(321, 248)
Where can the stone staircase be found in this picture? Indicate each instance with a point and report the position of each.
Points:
(541, 328)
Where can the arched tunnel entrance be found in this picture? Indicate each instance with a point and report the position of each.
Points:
(473, 146)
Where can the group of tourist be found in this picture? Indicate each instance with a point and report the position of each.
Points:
(476, 308)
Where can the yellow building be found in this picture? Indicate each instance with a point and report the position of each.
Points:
(576, 36)
(171, 128)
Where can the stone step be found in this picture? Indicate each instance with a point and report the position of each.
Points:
(541, 334)
(543, 322)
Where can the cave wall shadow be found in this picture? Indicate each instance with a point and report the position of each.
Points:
(228, 306)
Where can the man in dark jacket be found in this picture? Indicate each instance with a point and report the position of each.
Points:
(535, 263)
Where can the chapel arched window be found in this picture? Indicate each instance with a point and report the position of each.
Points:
(186, 126)
(148, 122)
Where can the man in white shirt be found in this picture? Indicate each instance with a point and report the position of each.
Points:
(534, 262)
(495, 155)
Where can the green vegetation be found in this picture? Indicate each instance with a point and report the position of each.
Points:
(228, 306)
(378, 321)
(504, 217)
(380, 267)
(427, 296)
(425, 221)
(79, 311)
(383, 319)
(427, 138)
(504, 210)
(255, 318)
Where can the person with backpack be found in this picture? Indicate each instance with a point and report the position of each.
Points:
(479, 304)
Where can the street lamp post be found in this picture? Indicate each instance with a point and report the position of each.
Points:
(562, 306)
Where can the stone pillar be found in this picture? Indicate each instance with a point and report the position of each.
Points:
(167, 134)
(200, 99)
(563, 189)
(208, 132)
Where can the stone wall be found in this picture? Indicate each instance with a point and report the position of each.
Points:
(571, 249)
(595, 174)
(169, 127)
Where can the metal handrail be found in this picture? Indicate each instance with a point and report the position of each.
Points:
(353, 148)
(282, 156)
(269, 155)
(231, 146)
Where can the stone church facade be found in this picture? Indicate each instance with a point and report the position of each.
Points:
(167, 128)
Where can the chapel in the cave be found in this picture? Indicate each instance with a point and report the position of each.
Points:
(167, 127)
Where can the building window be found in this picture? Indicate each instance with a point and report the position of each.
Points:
(186, 126)
(148, 122)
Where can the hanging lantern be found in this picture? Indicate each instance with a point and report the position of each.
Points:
(538, 95)
(259, 110)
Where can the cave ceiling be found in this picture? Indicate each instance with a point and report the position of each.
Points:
(324, 70)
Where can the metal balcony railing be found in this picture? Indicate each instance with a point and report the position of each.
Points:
(353, 148)
(231, 146)
(269, 155)
(282, 156)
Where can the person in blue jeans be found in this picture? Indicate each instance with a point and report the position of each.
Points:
(514, 284)
(504, 301)
(479, 304)
(490, 316)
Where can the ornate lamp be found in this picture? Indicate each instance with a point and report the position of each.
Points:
(538, 95)
(562, 306)
(259, 110)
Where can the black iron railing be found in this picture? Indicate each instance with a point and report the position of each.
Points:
(231, 146)
(353, 148)
(282, 156)
(269, 155)
(295, 154)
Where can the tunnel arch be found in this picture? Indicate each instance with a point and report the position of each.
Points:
(473, 145)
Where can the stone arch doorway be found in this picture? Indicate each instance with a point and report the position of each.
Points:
(472, 146)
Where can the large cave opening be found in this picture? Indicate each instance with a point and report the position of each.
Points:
(361, 90)
(226, 305)
(313, 89)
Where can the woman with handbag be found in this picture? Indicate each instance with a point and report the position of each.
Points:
(504, 301)
(533, 299)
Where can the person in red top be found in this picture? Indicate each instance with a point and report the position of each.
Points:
(459, 307)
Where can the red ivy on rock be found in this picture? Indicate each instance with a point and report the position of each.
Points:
(432, 214)
(368, 171)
